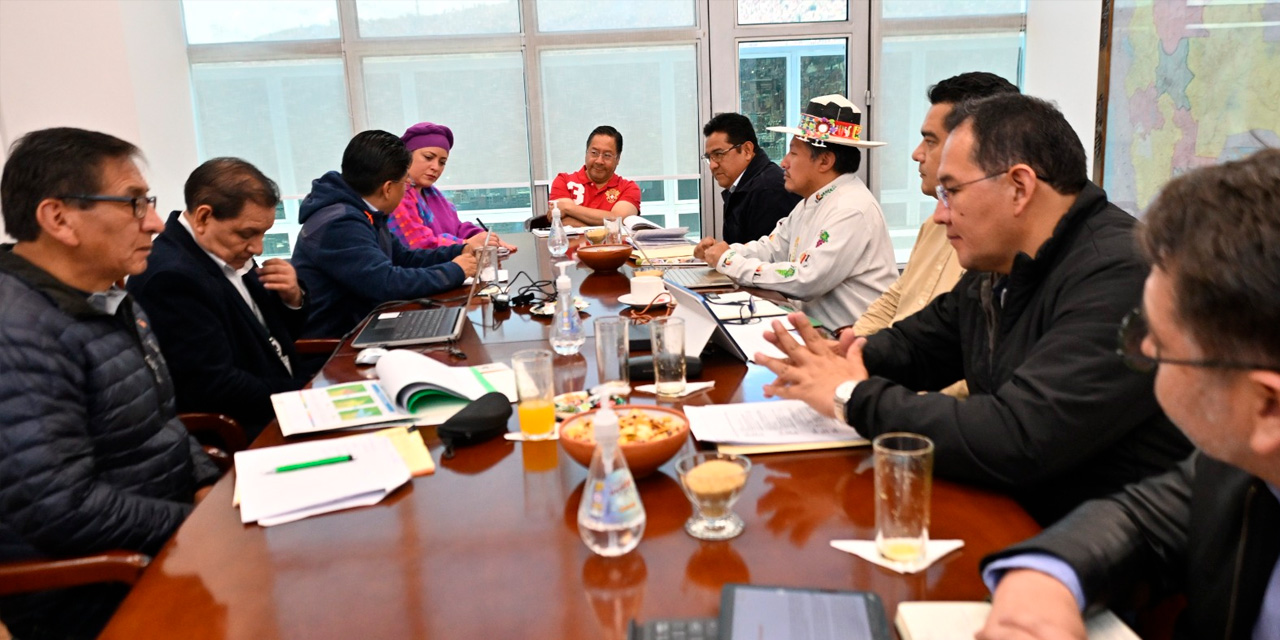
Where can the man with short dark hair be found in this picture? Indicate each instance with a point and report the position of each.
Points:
(1053, 418)
(932, 268)
(832, 255)
(92, 454)
(596, 191)
(346, 255)
(755, 197)
(226, 325)
(1210, 327)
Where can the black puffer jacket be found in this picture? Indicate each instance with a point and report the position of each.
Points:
(92, 454)
(1054, 416)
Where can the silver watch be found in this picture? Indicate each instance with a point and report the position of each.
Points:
(841, 398)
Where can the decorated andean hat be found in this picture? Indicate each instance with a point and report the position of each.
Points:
(830, 119)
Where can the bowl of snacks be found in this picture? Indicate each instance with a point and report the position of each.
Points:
(604, 257)
(648, 436)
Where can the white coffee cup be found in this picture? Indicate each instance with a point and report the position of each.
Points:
(647, 288)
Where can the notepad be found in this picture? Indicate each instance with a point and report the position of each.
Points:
(947, 620)
(270, 497)
(768, 427)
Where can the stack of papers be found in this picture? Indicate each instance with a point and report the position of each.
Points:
(766, 427)
(291, 482)
(947, 620)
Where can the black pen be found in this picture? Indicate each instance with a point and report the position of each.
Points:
(482, 224)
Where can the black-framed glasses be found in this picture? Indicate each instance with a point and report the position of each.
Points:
(141, 204)
(1133, 331)
(746, 309)
(945, 193)
(717, 156)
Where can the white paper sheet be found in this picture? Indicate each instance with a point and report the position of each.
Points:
(782, 422)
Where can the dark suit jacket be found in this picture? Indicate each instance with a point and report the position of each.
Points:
(218, 352)
(753, 209)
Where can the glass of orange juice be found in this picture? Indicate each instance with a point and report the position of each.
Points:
(535, 386)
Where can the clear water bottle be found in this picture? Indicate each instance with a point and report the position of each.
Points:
(558, 240)
(610, 517)
(567, 332)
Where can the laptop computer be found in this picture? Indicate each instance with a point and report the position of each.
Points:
(697, 278)
(419, 326)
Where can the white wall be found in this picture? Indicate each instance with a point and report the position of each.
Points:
(117, 66)
(1062, 60)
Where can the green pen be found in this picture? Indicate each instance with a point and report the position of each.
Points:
(314, 463)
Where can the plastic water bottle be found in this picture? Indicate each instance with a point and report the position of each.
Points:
(567, 334)
(558, 240)
(610, 517)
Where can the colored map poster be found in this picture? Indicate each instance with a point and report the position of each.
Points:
(1192, 83)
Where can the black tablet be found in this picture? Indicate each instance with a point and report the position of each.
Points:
(751, 612)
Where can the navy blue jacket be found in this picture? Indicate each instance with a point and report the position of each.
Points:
(220, 356)
(754, 208)
(92, 454)
(351, 263)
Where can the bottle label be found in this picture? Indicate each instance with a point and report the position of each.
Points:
(614, 499)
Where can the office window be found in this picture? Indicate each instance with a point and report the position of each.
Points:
(408, 18)
(776, 11)
(215, 21)
(925, 9)
(915, 63)
(602, 15)
(777, 78)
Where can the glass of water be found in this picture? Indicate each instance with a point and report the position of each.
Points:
(613, 352)
(668, 355)
(904, 479)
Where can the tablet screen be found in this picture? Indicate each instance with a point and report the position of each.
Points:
(798, 614)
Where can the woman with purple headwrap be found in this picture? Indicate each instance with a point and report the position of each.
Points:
(425, 219)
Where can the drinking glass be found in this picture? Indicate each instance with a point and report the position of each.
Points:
(613, 352)
(613, 226)
(667, 336)
(489, 263)
(535, 386)
(713, 481)
(904, 479)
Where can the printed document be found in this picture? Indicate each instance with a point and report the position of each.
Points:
(767, 423)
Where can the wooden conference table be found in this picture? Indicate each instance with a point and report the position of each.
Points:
(488, 547)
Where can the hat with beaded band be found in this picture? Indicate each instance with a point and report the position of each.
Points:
(830, 120)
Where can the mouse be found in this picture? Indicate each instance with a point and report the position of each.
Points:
(370, 356)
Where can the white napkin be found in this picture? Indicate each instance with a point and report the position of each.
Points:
(866, 549)
(689, 388)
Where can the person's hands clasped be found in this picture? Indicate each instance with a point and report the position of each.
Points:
(467, 260)
(279, 276)
(811, 371)
(1030, 605)
(700, 251)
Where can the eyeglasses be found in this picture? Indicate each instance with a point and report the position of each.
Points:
(945, 193)
(717, 156)
(607, 156)
(141, 204)
(1134, 330)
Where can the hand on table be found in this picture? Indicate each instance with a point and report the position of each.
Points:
(712, 253)
(467, 260)
(1030, 605)
(487, 238)
(279, 276)
(811, 371)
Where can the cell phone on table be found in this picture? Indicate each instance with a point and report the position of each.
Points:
(751, 612)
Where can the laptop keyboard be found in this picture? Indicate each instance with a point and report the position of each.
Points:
(698, 277)
(428, 323)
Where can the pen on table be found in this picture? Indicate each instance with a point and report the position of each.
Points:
(314, 463)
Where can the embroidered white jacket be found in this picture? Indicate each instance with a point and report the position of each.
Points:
(831, 255)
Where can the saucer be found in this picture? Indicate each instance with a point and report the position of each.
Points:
(640, 302)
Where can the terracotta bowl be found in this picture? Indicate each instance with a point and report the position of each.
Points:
(604, 257)
(643, 458)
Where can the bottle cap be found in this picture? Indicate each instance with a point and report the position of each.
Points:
(563, 283)
(606, 422)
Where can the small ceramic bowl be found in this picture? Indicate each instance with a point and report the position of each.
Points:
(643, 458)
(604, 257)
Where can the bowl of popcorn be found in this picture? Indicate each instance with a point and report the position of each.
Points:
(648, 436)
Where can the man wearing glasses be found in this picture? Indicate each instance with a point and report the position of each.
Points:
(1054, 418)
(1210, 528)
(755, 197)
(594, 192)
(92, 454)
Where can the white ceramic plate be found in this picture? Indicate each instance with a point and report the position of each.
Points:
(640, 302)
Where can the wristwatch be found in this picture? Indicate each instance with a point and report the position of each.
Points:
(841, 398)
